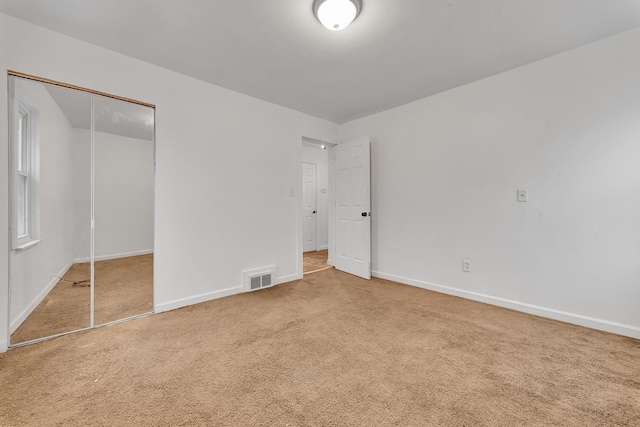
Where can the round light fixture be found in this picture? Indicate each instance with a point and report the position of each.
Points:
(336, 14)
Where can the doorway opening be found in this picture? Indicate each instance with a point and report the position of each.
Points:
(316, 195)
(348, 205)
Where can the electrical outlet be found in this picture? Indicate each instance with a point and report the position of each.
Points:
(523, 195)
(466, 266)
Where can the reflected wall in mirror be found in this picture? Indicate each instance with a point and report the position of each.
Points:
(71, 168)
(50, 209)
(123, 209)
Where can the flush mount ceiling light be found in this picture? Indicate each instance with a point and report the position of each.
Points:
(336, 14)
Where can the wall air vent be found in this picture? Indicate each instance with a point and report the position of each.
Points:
(260, 278)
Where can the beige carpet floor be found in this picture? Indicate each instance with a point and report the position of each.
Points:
(329, 350)
(123, 288)
(315, 261)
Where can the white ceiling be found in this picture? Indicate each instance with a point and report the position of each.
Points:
(397, 51)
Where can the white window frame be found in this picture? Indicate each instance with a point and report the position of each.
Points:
(25, 165)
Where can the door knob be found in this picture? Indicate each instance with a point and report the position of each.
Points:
(314, 211)
(364, 214)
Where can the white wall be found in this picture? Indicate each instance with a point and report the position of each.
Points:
(124, 189)
(124, 192)
(33, 269)
(312, 153)
(82, 190)
(446, 169)
(225, 165)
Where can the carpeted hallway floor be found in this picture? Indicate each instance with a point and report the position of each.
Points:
(330, 349)
(315, 261)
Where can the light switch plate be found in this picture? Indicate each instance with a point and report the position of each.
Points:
(523, 195)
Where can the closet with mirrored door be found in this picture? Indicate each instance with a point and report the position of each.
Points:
(81, 190)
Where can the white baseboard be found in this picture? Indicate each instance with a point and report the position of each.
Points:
(3, 346)
(322, 248)
(196, 299)
(15, 323)
(563, 316)
(209, 296)
(114, 256)
(284, 279)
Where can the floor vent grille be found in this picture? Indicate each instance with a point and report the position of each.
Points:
(258, 279)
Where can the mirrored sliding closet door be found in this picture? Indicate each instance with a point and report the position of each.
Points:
(123, 209)
(81, 209)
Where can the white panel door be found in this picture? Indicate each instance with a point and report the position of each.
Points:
(310, 208)
(353, 208)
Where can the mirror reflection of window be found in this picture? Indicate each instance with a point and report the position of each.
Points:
(26, 147)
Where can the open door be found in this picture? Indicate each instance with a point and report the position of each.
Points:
(353, 207)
